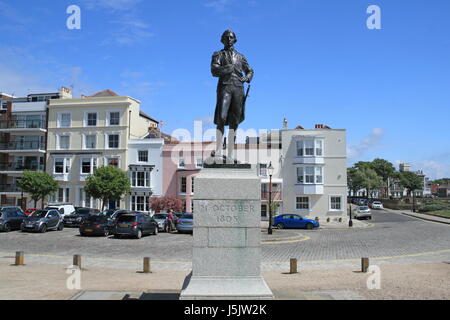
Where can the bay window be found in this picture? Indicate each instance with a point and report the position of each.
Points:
(310, 148)
(310, 175)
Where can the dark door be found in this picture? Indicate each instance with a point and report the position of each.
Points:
(53, 219)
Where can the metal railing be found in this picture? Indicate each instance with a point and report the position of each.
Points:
(23, 124)
(12, 166)
(26, 145)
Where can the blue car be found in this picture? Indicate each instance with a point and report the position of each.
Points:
(186, 223)
(294, 221)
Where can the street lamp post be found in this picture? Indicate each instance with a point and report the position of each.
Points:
(270, 170)
(350, 223)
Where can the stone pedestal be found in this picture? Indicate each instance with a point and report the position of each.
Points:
(227, 236)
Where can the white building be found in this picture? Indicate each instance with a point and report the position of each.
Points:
(145, 159)
(314, 173)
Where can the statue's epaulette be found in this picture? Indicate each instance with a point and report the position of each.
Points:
(217, 53)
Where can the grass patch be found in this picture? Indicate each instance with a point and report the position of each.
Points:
(440, 213)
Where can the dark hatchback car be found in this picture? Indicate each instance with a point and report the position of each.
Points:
(42, 221)
(135, 225)
(79, 216)
(97, 225)
(11, 218)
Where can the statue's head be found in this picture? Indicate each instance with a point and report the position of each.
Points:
(229, 38)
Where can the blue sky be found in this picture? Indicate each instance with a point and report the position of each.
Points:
(315, 62)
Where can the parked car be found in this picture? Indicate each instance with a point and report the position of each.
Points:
(114, 214)
(377, 205)
(97, 225)
(294, 221)
(11, 218)
(30, 211)
(135, 224)
(363, 212)
(76, 219)
(186, 223)
(43, 220)
(64, 209)
(161, 219)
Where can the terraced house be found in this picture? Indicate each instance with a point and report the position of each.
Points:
(90, 132)
(23, 132)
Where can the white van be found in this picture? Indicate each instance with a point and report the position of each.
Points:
(64, 209)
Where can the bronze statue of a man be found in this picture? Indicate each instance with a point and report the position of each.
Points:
(233, 71)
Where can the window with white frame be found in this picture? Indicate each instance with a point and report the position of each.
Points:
(88, 165)
(141, 179)
(336, 203)
(113, 141)
(183, 185)
(263, 170)
(64, 142)
(90, 141)
(310, 175)
(65, 120)
(302, 203)
(143, 155)
(113, 162)
(181, 163)
(91, 119)
(140, 203)
(114, 118)
(310, 148)
(61, 196)
(62, 166)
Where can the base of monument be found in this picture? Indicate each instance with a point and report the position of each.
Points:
(225, 288)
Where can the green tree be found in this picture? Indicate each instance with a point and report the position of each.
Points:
(442, 181)
(107, 183)
(39, 185)
(368, 179)
(385, 170)
(411, 181)
(354, 181)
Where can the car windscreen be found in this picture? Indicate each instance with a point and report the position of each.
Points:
(83, 211)
(160, 216)
(187, 216)
(107, 213)
(127, 219)
(101, 219)
(39, 214)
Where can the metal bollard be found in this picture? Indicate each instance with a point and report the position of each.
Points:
(293, 265)
(364, 265)
(20, 258)
(147, 268)
(77, 261)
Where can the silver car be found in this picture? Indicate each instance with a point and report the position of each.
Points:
(363, 212)
(161, 219)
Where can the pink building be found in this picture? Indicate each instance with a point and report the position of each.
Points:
(181, 163)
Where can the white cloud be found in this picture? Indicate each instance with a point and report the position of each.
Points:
(219, 5)
(358, 150)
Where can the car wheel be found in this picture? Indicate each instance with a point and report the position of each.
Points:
(156, 231)
(139, 234)
(280, 226)
(6, 227)
(106, 232)
(82, 234)
(309, 226)
(43, 229)
(116, 236)
(61, 227)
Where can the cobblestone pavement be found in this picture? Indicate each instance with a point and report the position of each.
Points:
(391, 238)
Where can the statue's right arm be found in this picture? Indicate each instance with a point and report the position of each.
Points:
(217, 69)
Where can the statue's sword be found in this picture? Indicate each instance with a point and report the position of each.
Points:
(246, 96)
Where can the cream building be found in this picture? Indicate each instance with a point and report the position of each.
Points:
(314, 173)
(87, 133)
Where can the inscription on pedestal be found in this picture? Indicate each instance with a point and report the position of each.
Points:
(226, 213)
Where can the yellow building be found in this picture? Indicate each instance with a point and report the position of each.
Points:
(87, 133)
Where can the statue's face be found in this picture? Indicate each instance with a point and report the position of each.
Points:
(229, 40)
